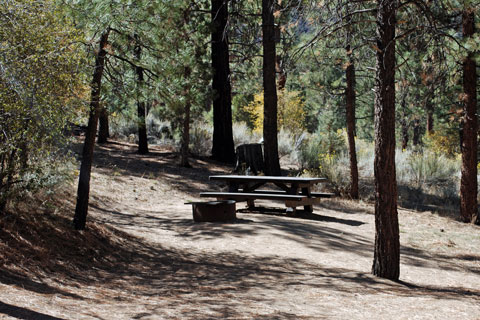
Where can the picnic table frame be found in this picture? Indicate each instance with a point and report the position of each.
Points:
(294, 191)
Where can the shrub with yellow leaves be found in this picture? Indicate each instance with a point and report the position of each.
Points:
(291, 112)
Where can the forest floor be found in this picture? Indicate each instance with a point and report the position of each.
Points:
(143, 257)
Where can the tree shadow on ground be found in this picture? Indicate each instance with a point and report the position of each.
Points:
(23, 313)
(129, 269)
(313, 231)
(160, 164)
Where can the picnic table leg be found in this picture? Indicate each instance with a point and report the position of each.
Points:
(308, 208)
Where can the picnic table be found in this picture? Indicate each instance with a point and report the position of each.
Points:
(293, 191)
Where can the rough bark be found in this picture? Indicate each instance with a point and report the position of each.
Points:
(141, 114)
(272, 163)
(103, 127)
(83, 192)
(350, 111)
(468, 182)
(223, 147)
(386, 262)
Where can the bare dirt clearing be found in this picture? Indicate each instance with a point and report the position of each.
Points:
(143, 257)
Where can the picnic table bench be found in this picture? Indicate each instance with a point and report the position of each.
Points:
(294, 191)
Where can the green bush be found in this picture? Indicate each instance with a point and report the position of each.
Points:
(201, 139)
(41, 84)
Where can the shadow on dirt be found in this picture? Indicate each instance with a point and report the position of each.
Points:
(123, 265)
(161, 164)
(23, 313)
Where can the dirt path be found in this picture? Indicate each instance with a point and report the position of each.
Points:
(263, 266)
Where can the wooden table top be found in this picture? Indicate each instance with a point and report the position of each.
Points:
(239, 178)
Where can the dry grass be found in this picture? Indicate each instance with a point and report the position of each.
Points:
(142, 256)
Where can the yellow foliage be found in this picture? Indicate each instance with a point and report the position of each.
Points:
(443, 142)
(290, 113)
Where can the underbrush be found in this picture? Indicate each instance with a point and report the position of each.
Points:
(426, 179)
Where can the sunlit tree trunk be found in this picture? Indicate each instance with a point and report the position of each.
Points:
(468, 183)
(386, 261)
(223, 147)
(272, 163)
(81, 209)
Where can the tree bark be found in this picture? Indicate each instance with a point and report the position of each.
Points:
(280, 70)
(416, 132)
(83, 192)
(141, 115)
(404, 122)
(223, 147)
(103, 128)
(468, 182)
(429, 109)
(386, 262)
(350, 111)
(272, 163)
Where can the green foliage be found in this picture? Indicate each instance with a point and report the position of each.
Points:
(40, 83)
(428, 168)
(320, 149)
(201, 139)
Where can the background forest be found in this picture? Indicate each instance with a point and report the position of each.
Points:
(151, 63)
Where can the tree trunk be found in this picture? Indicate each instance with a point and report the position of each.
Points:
(272, 163)
(81, 209)
(350, 110)
(223, 147)
(429, 109)
(386, 262)
(141, 115)
(416, 132)
(103, 128)
(404, 122)
(280, 70)
(468, 182)
(184, 149)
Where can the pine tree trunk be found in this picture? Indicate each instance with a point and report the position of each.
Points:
(350, 111)
(103, 128)
(223, 147)
(81, 209)
(141, 118)
(386, 263)
(468, 182)
(429, 109)
(404, 121)
(280, 70)
(416, 132)
(270, 139)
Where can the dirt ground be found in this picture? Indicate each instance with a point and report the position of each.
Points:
(143, 257)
